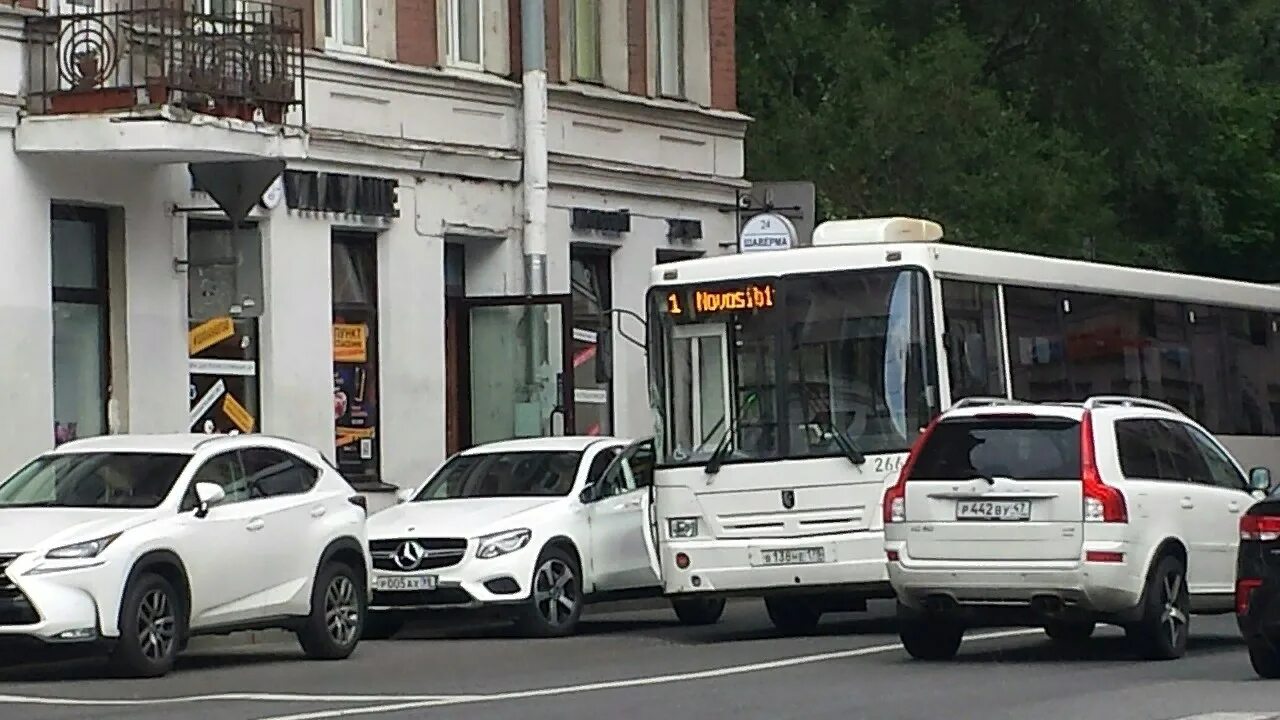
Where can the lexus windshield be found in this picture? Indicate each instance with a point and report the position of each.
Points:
(503, 474)
(791, 366)
(94, 480)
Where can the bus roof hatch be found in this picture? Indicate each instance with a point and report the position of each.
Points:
(876, 230)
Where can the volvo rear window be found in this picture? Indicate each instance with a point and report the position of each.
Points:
(1017, 448)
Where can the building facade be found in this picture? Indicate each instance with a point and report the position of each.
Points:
(372, 301)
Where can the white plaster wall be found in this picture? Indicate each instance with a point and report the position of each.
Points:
(26, 313)
(154, 398)
(296, 359)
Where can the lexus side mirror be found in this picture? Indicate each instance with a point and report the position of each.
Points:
(1260, 479)
(404, 495)
(208, 495)
(589, 494)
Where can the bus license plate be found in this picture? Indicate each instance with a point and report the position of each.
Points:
(993, 510)
(793, 556)
(404, 583)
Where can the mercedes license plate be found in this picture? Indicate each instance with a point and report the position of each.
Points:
(793, 556)
(404, 583)
(993, 510)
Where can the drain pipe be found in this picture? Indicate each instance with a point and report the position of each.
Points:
(533, 44)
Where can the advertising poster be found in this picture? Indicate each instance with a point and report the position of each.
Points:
(355, 397)
(223, 367)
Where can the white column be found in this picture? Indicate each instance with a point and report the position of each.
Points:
(296, 362)
(155, 302)
(411, 347)
(26, 312)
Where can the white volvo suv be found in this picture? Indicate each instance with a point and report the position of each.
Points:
(534, 528)
(1115, 510)
(138, 542)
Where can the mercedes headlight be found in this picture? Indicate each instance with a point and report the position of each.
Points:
(682, 527)
(508, 541)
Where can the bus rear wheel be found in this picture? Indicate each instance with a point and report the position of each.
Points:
(793, 616)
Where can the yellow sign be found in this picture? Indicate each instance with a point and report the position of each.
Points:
(350, 343)
(209, 333)
(237, 413)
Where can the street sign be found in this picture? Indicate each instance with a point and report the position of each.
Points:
(767, 231)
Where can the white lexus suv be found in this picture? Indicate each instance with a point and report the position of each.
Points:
(533, 528)
(138, 542)
(1115, 510)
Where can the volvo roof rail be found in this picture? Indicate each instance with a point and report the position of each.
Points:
(986, 401)
(1127, 401)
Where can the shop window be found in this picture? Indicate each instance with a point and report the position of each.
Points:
(591, 282)
(355, 356)
(222, 329)
(80, 299)
(223, 368)
(1102, 345)
(975, 357)
(1036, 344)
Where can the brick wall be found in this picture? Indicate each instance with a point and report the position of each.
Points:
(724, 71)
(553, 40)
(638, 47)
(416, 40)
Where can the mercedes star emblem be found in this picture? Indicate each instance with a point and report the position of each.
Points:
(409, 555)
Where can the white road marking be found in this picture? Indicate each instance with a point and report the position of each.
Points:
(634, 682)
(1233, 716)
(227, 697)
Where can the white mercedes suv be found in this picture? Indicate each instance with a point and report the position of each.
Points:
(1115, 510)
(138, 542)
(533, 528)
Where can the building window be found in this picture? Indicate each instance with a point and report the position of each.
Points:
(344, 24)
(584, 20)
(466, 33)
(355, 356)
(671, 48)
(591, 282)
(80, 353)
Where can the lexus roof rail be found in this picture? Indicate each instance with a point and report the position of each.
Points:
(1127, 401)
(980, 400)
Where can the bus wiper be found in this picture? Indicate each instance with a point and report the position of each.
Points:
(847, 445)
(722, 449)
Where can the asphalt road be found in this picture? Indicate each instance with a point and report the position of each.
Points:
(641, 664)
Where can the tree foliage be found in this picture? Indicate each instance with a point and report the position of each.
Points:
(1134, 131)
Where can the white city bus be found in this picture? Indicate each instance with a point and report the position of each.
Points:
(788, 387)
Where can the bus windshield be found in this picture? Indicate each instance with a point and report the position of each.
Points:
(789, 366)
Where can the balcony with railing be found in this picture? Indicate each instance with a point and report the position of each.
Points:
(183, 68)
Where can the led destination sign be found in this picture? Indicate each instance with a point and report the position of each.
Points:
(702, 302)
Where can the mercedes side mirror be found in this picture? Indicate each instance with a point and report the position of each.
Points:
(208, 495)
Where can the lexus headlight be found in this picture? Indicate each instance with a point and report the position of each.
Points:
(682, 527)
(83, 550)
(508, 541)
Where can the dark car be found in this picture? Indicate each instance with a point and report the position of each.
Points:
(1258, 585)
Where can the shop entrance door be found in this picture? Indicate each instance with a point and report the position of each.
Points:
(520, 383)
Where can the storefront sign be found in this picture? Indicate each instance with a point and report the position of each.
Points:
(223, 371)
(327, 192)
(354, 395)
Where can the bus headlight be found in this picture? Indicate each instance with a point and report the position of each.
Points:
(682, 527)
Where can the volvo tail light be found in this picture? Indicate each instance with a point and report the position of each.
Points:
(1102, 503)
(895, 498)
(1260, 528)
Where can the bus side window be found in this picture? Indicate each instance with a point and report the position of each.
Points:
(975, 358)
